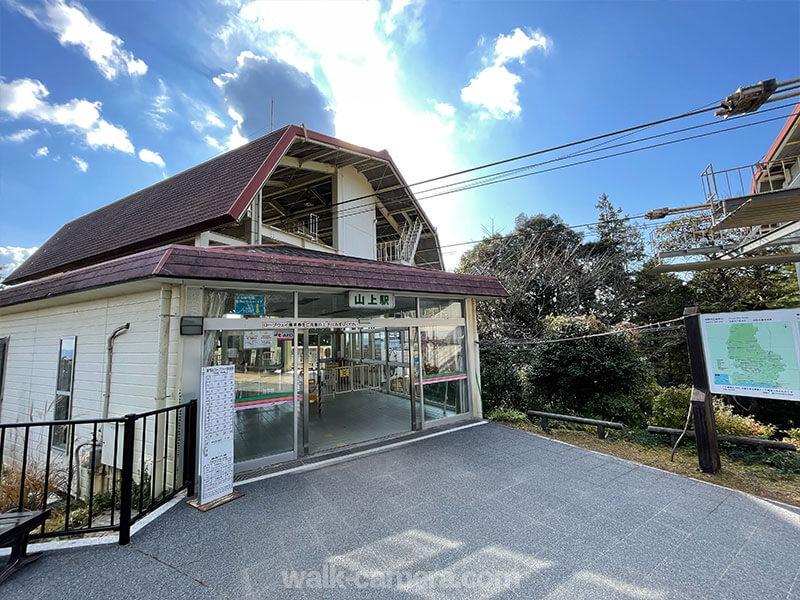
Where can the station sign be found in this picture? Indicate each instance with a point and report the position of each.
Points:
(377, 300)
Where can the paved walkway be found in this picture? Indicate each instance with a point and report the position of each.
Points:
(485, 512)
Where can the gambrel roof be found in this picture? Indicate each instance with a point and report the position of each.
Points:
(214, 193)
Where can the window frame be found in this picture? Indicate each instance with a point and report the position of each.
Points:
(68, 394)
(4, 344)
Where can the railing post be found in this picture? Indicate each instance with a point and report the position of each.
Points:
(190, 449)
(126, 483)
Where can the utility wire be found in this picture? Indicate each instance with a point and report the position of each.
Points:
(469, 186)
(646, 328)
(405, 186)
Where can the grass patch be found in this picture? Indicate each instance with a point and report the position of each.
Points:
(771, 474)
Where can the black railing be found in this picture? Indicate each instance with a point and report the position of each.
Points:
(97, 475)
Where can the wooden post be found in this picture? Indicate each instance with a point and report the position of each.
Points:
(702, 407)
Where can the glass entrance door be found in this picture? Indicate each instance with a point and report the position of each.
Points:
(357, 386)
(264, 430)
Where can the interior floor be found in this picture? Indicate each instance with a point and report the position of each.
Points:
(355, 417)
(345, 419)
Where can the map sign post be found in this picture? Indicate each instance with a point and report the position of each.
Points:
(705, 427)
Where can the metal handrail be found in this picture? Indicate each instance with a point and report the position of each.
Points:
(39, 469)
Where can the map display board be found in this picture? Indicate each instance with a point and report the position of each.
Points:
(217, 397)
(753, 353)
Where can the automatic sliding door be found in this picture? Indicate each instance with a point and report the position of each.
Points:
(264, 404)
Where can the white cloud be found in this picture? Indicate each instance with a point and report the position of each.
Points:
(43, 151)
(149, 156)
(26, 98)
(494, 88)
(80, 163)
(444, 109)
(518, 44)
(161, 107)
(19, 136)
(214, 142)
(74, 26)
(345, 49)
(13, 256)
(356, 66)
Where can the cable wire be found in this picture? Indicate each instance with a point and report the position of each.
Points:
(640, 328)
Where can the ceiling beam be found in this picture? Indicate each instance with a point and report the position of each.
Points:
(387, 216)
(306, 165)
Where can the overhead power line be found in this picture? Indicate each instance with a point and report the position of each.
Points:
(407, 186)
(468, 186)
(646, 328)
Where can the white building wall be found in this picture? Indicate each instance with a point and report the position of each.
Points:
(354, 223)
(32, 361)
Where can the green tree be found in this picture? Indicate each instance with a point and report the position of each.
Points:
(660, 297)
(621, 246)
(606, 376)
(546, 269)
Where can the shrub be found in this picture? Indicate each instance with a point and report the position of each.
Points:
(501, 385)
(606, 376)
(507, 415)
(670, 406)
(793, 436)
(33, 496)
(729, 423)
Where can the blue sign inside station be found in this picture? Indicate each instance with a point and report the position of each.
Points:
(249, 304)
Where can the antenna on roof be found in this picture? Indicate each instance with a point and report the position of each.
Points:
(271, 115)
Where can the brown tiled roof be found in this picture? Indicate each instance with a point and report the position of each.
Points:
(210, 194)
(271, 263)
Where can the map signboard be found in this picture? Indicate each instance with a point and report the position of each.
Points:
(753, 353)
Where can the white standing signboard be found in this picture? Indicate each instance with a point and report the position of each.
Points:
(258, 338)
(753, 353)
(216, 433)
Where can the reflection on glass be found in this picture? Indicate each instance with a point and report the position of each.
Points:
(221, 302)
(444, 371)
(337, 306)
(63, 398)
(440, 308)
(264, 403)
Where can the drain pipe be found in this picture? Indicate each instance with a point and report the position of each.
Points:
(110, 349)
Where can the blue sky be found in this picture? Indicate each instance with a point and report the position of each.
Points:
(100, 99)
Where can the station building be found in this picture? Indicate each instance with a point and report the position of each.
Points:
(304, 261)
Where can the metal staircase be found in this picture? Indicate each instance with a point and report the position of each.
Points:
(403, 249)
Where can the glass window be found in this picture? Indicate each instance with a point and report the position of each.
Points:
(442, 308)
(444, 371)
(336, 306)
(248, 302)
(62, 404)
(264, 394)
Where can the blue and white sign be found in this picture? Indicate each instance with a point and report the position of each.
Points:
(249, 304)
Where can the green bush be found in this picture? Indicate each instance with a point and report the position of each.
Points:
(793, 436)
(670, 406)
(501, 385)
(729, 423)
(507, 415)
(606, 377)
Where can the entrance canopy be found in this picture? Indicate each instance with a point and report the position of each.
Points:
(269, 264)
